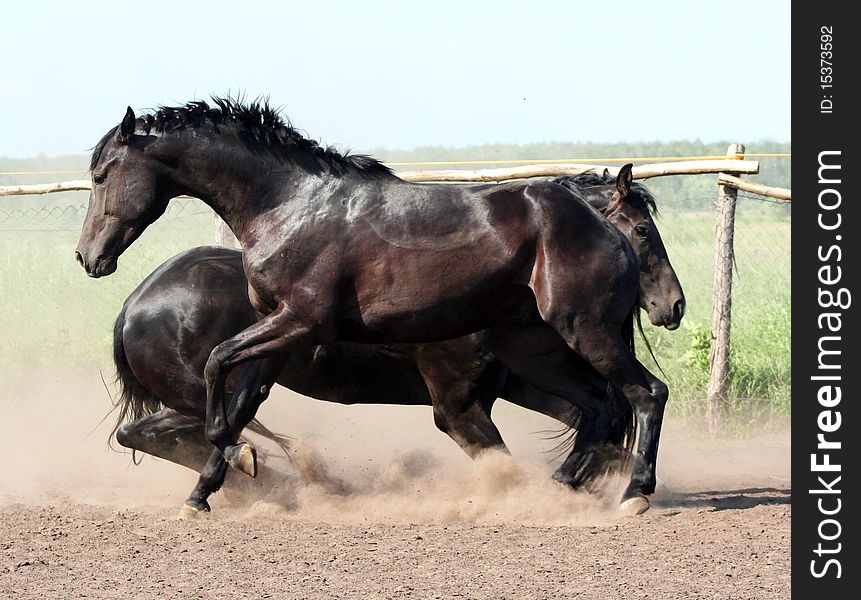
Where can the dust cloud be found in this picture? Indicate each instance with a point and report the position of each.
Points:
(55, 445)
(359, 464)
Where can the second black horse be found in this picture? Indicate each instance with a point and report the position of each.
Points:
(169, 325)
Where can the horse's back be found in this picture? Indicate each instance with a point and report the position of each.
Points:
(200, 291)
(205, 266)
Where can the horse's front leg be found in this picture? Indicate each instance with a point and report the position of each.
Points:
(254, 386)
(661, 393)
(272, 337)
(608, 353)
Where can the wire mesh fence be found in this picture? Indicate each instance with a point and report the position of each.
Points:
(55, 314)
(758, 385)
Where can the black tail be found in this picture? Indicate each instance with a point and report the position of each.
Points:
(134, 401)
(566, 435)
(284, 442)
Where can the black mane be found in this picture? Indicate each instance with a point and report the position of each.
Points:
(258, 124)
(639, 192)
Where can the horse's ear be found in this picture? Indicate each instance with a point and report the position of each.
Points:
(127, 126)
(623, 186)
(606, 173)
(624, 180)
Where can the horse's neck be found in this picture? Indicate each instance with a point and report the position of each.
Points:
(237, 189)
(599, 196)
(242, 186)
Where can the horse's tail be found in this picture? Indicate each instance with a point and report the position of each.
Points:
(284, 442)
(134, 401)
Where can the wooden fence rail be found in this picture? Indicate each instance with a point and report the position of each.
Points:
(754, 188)
(45, 188)
(694, 167)
(697, 167)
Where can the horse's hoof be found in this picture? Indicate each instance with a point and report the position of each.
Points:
(192, 512)
(571, 481)
(634, 506)
(242, 457)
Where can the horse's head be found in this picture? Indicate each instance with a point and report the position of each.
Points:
(661, 294)
(130, 191)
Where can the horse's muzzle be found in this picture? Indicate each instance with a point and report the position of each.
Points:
(99, 268)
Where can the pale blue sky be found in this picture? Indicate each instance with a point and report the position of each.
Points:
(400, 75)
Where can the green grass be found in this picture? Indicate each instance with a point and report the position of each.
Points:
(53, 314)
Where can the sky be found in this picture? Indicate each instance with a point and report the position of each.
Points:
(400, 75)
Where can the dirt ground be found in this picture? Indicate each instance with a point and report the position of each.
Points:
(393, 510)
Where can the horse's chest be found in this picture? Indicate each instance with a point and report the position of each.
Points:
(263, 283)
(258, 301)
(266, 264)
(290, 272)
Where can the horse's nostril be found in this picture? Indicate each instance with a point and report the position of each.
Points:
(679, 309)
(79, 259)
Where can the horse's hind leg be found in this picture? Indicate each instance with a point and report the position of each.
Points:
(548, 377)
(599, 443)
(170, 435)
(464, 382)
(595, 453)
(178, 438)
(470, 427)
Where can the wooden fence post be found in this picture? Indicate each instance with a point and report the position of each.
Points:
(722, 300)
(223, 235)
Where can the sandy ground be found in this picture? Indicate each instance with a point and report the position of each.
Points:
(394, 511)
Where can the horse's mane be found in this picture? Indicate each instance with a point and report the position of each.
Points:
(259, 125)
(639, 192)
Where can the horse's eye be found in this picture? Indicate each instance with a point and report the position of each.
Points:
(641, 230)
(99, 179)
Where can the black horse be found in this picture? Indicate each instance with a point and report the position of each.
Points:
(338, 248)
